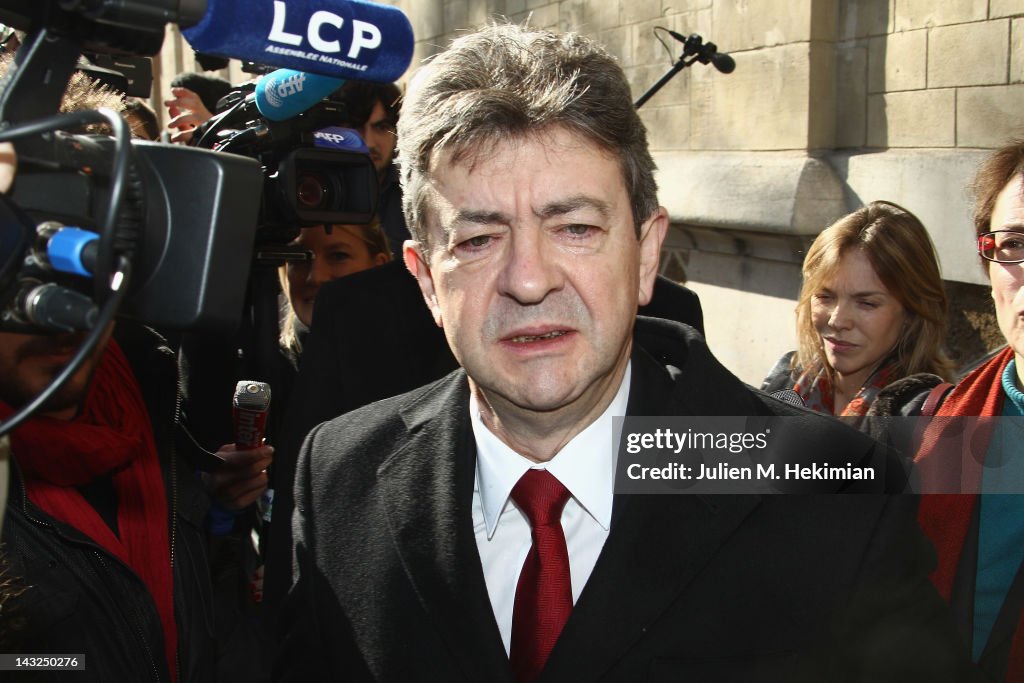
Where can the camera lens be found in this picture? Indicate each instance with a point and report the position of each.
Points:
(312, 192)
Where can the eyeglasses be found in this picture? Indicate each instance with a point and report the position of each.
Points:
(1002, 246)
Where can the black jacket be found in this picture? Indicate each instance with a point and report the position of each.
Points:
(373, 337)
(389, 583)
(80, 599)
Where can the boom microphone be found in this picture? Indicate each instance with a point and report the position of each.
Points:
(723, 62)
(337, 38)
(249, 408)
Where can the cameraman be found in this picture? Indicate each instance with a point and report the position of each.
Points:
(374, 109)
(104, 531)
(104, 524)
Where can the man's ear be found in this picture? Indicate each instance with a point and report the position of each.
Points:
(652, 234)
(413, 254)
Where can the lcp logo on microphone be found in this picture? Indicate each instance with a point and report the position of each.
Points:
(364, 34)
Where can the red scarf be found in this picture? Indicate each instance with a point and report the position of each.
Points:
(112, 434)
(946, 518)
(818, 394)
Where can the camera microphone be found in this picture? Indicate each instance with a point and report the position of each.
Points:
(336, 38)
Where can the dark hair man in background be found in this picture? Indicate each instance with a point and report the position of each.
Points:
(373, 110)
(469, 530)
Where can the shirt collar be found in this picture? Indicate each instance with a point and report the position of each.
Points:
(585, 465)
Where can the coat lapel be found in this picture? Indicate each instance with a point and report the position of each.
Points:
(427, 491)
(658, 543)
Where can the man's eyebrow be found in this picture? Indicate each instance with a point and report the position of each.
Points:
(556, 208)
(480, 217)
(575, 203)
(473, 217)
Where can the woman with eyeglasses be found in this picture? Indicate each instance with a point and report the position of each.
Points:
(979, 534)
(872, 310)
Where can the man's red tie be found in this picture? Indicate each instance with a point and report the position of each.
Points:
(544, 592)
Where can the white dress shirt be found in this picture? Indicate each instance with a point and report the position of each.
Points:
(585, 466)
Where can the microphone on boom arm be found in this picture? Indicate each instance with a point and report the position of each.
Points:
(705, 52)
(694, 50)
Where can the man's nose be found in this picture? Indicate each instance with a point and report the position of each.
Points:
(531, 269)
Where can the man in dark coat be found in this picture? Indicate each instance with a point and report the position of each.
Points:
(470, 530)
(104, 533)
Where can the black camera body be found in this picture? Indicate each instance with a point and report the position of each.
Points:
(188, 222)
(174, 227)
(315, 171)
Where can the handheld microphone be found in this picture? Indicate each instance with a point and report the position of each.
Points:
(337, 38)
(789, 396)
(285, 93)
(249, 410)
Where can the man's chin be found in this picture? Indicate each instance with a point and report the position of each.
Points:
(538, 396)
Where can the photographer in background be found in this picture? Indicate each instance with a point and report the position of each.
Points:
(194, 102)
(141, 118)
(374, 109)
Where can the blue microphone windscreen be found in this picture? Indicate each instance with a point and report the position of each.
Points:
(285, 93)
(338, 38)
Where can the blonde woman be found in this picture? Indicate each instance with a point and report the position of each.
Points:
(332, 252)
(872, 310)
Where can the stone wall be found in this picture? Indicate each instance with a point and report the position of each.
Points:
(833, 103)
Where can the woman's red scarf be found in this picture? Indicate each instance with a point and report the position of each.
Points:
(111, 434)
(946, 518)
(818, 394)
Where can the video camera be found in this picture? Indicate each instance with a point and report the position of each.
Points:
(315, 171)
(167, 225)
(185, 220)
(99, 226)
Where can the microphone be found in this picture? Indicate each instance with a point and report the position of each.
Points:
(723, 62)
(285, 93)
(704, 52)
(336, 38)
(249, 410)
(789, 396)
